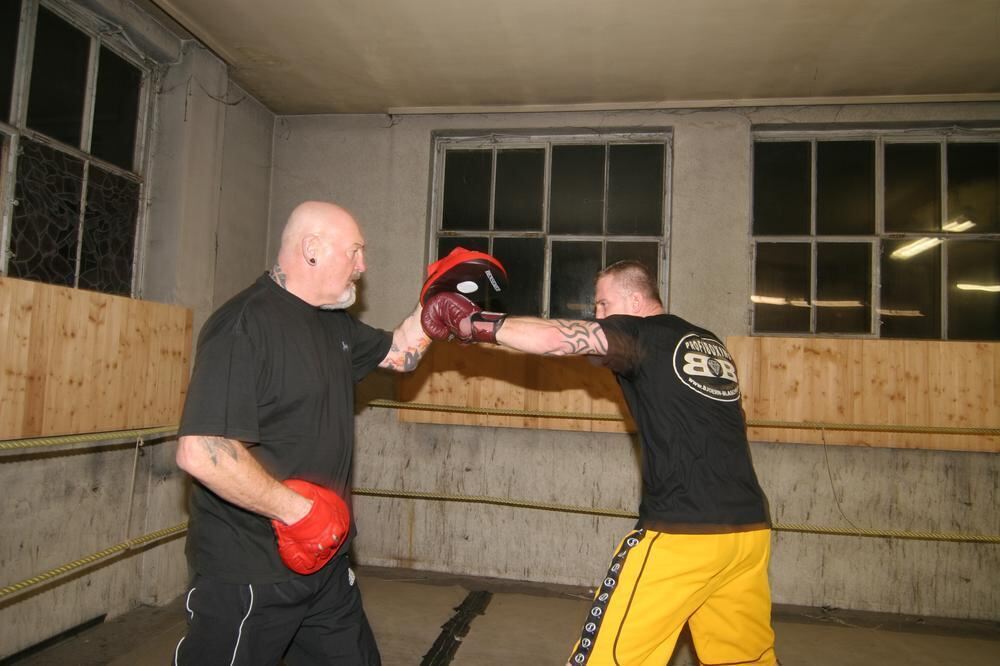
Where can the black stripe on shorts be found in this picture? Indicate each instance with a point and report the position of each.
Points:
(593, 624)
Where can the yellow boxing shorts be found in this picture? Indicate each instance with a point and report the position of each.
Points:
(717, 583)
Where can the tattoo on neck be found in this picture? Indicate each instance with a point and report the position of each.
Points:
(278, 275)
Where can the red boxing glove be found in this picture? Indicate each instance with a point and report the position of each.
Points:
(448, 315)
(305, 546)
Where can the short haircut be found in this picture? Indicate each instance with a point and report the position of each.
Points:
(633, 276)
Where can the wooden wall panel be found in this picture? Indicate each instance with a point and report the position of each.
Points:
(910, 383)
(77, 361)
(484, 376)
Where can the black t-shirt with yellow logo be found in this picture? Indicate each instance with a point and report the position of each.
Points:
(680, 383)
(278, 375)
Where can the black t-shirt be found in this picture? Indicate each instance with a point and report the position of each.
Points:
(277, 374)
(680, 384)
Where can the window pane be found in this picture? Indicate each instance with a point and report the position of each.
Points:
(646, 254)
(911, 292)
(477, 243)
(108, 239)
(843, 287)
(781, 288)
(974, 290)
(116, 110)
(576, 203)
(58, 79)
(518, 198)
(782, 193)
(467, 176)
(635, 190)
(46, 219)
(574, 265)
(845, 187)
(10, 16)
(974, 185)
(912, 187)
(524, 259)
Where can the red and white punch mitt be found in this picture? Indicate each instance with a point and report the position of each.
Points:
(305, 546)
(468, 272)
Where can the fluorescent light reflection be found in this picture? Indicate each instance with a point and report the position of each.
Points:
(926, 243)
(915, 248)
(778, 300)
(900, 313)
(956, 226)
(839, 304)
(967, 286)
(802, 303)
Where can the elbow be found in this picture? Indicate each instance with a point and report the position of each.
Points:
(187, 457)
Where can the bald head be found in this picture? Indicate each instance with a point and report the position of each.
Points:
(322, 254)
(319, 218)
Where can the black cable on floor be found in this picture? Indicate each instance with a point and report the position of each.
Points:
(452, 631)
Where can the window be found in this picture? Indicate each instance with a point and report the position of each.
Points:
(73, 109)
(878, 234)
(553, 210)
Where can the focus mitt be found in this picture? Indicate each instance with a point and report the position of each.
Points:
(474, 274)
(305, 546)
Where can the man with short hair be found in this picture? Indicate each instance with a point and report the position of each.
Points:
(699, 551)
(268, 435)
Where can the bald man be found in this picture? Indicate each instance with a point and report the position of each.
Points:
(267, 434)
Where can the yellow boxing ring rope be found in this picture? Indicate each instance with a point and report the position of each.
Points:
(87, 438)
(34, 442)
(751, 423)
(177, 530)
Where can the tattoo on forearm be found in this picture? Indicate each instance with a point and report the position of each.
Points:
(405, 360)
(579, 337)
(278, 275)
(216, 445)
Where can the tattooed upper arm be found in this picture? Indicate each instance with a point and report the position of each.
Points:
(579, 337)
(214, 446)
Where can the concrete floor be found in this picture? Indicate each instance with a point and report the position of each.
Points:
(529, 625)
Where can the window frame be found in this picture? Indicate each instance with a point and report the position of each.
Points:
(495, 140)
(881, 138)
(101, 34)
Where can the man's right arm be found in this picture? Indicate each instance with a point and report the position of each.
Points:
(225, 467)
(553, 337)
(452, 315)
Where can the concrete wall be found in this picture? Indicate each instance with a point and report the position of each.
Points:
(207, 240)
(206, 237)
(380, 167)
(245, 191)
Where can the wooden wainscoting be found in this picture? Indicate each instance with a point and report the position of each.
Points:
(77, 361)
(484, 376)
(906, 383)
(871, 382)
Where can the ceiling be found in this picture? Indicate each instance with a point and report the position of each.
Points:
(435, 56)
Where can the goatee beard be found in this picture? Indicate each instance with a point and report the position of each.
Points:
(347, 301)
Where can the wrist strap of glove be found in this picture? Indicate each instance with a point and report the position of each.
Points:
(486, 325)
